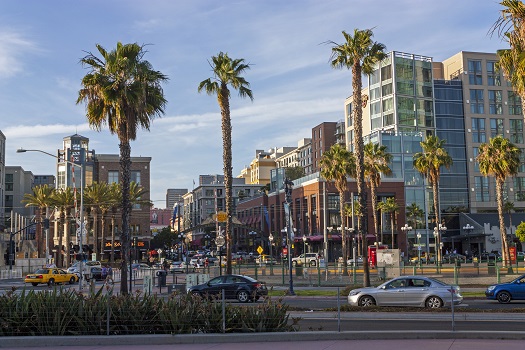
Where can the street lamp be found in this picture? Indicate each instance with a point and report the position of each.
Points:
(436, 244)
(438, 231)
(181, 236)
(270, 238)
(418, 235)
(406, 229)
(468, 228)
(288, 186)
(304, 250)
(81, 223)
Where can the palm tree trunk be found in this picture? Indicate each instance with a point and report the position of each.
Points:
(343, 232)
(373, 194)
(438, 217)
(504, 245)
(102, 235)
(224, 104)
(95, 232)
(68, 239)
(392, 228)
(112, 257)
(125, 165)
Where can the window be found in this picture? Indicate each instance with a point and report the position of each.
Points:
(493, 77)
(481, 187)
(521, 167)
(514, 104)
(495, 102)
(516, 130)
(476, 101)
(475, 152)
(496, 127)
(519, 188)
(112, 176)
(478, 130)
(474, 72)
(135, 176)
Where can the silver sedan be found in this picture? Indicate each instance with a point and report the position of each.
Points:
(417, 291)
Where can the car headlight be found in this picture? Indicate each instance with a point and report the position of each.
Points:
(353, 292)
(491, 288)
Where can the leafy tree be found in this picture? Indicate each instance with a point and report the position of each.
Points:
(520, 231)
(64, 202)
(499, 158)
(162, 239)
(336, 165)
(227, 71)
(295, 172)
(429, 163)
(42, 198)
(123, 92)
(96, 196)
(377, 161)
(360, 54)
(415, 213)
(390, 206)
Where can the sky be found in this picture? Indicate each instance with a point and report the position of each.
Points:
(284, 42)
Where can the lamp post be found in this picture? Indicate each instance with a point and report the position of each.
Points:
(304, 249)
(181, 236)
(81, 223)
(288, 186)
(406, 229)
(418, 235)
(468, 228)
(270, 238)
(438, 231)
(436, 243)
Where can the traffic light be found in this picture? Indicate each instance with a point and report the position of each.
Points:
(46, 224)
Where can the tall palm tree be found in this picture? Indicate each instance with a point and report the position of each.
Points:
(390, 206)
(336, 165)
(115, 198)
(499, 158)
(415, 213)
(124, 92)
(227, 71)
(355, 211)
(64, 202)
(377, 161)
(360, 54)
(508, 208)
(429, 163)
(42, 198)
(96, 196)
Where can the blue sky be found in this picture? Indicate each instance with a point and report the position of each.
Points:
(294, 87)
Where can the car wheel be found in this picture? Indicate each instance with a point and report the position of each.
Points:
(313, 263)
(34, 284)
(51, 282)
(243, 296)
(366, 301)
(504, 297)
(72, 280)
(434, 302)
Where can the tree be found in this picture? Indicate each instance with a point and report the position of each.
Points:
(115, 198)
(429, 163)
(415, 213)
(377, 161)
(336, 165)
(124, 92)
(64, 201)
(508, 208)
(499, 158)
(294, 172)
(360, 54)
(390, 206)
(520, 231)
(96, 196)
(227, 71)
(42, 198)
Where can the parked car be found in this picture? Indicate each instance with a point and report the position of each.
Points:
(140, 266)
(240, 287)
(96, 274)
(351, 262)
(417, 291)
(453, 257)
(50, 276)
(311, 259)
(181, 267)
(264, 259)
(74, 268)
(505, 292)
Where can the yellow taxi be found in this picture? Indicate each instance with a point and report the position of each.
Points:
(50, 276)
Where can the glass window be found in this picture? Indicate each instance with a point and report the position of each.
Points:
(476, 101)
(113, 176)
(496, 127)
(481, 188)
(386, 73)
(514, 104)
(475, 152)
(493, 77)
(519, 188)
(135, 176)
(474, 72)
(516, 130)
(521, 167)
(495, 102)
(478, 130)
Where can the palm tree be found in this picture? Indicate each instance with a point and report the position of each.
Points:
(336, 165)
(357, 213)
(124, 92)
(414, 212)
(377, 160)
(227, 71)
(429, 163)
(360, 54)
(96, 196)
(499, 158)
(137, 194)
(390, 206)
(42, 198)
(508, 208)
(64, 201)
(115, 198)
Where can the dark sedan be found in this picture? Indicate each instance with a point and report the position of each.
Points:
(505, 292)
(240, 287)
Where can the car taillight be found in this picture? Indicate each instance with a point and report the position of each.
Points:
(452, 290)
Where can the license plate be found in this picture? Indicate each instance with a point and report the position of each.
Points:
(32, 276)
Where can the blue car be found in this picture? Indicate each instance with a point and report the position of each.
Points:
(505, 292)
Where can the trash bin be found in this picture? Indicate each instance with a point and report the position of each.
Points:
(491, 266)
(161, 274)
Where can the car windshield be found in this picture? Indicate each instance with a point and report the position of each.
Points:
(41, 271)
(438, 282)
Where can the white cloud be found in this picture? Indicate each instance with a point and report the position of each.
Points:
(13, 46)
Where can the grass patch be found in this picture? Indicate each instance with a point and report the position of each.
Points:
(304, 293)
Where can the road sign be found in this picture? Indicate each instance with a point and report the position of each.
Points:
(222, 216)
(260, 250)
(220, 241)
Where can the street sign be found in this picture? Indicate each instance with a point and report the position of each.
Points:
(260, 250)
(222, 216)
(220, 241)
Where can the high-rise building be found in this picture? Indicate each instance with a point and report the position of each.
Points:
(174, 195)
